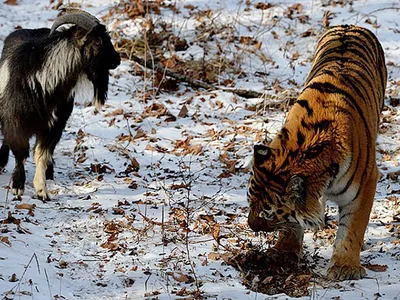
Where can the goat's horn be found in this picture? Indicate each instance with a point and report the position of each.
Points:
(81, 19)
(73, 10)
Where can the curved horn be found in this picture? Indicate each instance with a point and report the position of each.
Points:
(73, 10)
(80, 18)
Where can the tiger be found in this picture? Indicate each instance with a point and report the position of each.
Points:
(325, 150)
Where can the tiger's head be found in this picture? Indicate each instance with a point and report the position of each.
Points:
(277, 194)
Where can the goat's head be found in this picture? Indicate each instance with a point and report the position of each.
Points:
(97, 51)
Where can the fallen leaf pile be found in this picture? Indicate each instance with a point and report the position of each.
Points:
(268, 272)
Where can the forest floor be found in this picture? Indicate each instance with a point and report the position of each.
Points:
(149, 197)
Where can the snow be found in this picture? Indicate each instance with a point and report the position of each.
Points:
(60, 251)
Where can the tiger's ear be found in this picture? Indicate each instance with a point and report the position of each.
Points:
(261, 153)
(295, 191)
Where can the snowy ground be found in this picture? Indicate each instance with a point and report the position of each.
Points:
(142, 193)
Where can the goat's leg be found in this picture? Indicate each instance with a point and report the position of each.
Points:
(18, 175)
(50, 168)
(53, 136)
(4, 153)
(42, 156)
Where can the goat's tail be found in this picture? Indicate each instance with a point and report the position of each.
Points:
(4, 153)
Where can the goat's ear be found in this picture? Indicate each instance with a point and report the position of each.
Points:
(295, 193)
(262, 153)
(80, 36)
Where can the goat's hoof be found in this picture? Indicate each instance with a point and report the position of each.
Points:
(341, 273)
(17, 193)
(42, 195)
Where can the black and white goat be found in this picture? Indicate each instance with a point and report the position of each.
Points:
(39, 71)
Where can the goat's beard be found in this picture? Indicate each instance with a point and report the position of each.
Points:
(99, 78)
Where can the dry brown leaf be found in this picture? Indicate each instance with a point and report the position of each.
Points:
(216, 230)
(154, 293)
(183, 292)
(116, 112)
(225, 174)
(113, 237)
(376, 267)
(150, 148)
(165, 83)
(190, 7)
(275, 35)
(267, 279)
(11, 220)
(208, 218)
(112, 122)
(295, 55)
(219, 104)
(214, 256)
(179, 144)
(81, 158)
(229, 258)
(135, 163)
(309, 32)
(156, 110)
(13, 278)
(246, 40)
(124, 137)
(396, 241)
(298, 7)
(118, 211)
(112, 227)
(303, 279)
(25, 206)
(11, 2)
(139, 134)
(136, 9)
(194, 149)
(179, 186)
(180, 277)
(5, 240)
(110, 246)
(263, 6)
(230, 165)
(183, 113)
(100, 169)
(63, 264)
(170, 62)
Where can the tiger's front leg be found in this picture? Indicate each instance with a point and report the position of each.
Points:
(354, 217)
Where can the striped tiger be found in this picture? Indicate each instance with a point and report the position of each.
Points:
(325, 150)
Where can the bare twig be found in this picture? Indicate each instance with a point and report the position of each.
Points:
(17, 286)
(193, 82)
(188, 220)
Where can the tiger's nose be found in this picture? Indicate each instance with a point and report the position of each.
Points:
(256, 223)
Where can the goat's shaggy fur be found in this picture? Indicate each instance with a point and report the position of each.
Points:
(39, 73)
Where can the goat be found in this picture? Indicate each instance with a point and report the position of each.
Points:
(39, 70)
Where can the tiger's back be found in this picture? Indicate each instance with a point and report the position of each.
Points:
(353, 58)
(326, 149)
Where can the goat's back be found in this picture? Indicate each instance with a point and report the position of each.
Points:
(21, 36)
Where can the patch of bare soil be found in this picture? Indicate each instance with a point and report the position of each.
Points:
(272, 272)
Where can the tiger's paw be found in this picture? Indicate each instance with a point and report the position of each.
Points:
(341, 273)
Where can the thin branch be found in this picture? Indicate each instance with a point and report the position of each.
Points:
(193, 82)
